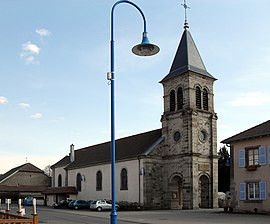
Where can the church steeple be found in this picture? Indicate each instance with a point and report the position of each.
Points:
(187, 57)
(189, 128)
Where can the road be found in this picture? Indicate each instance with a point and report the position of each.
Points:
(202, 216)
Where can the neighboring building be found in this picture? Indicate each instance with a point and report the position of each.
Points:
(250, 168)
(173, 167)
(22, 181)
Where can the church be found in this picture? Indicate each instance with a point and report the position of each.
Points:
(174, 167)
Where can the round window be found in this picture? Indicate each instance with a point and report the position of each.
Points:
(202, 135)
(177, 136)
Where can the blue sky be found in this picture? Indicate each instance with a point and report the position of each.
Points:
(55, 56)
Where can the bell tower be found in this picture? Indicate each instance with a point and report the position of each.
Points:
(190, 129)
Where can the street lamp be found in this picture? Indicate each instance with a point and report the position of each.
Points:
(143, 49)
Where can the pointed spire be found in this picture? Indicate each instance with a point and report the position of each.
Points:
(187, 57)
(186, 26)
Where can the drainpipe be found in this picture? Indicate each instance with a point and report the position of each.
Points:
(139, 163)
(211, 164)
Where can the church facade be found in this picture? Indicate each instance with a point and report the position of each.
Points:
(174, 167)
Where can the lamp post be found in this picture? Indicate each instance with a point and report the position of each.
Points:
(143, 49)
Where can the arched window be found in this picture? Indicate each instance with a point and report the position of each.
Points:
(79, 182)
(59, 180)
(99, 181)
(172, 100)
(180, 99)
(205, 99)
(124, 179)
(198, 98)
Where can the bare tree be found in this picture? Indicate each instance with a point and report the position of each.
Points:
(48, 170)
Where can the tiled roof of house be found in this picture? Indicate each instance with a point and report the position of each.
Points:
(254, 132)
(27, 167)
(126, 148)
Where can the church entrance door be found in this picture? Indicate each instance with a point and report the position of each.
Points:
(204, 192)
(176, 191)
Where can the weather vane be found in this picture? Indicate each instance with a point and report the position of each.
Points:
(185, 7)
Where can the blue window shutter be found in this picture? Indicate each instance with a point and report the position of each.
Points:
(242, 162)
(269, 154)
(262, 155)
(243, 195)
(263, 190)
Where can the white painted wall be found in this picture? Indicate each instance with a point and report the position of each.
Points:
(59, 170)
(89, 184)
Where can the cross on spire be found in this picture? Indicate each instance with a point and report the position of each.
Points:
(186, 21)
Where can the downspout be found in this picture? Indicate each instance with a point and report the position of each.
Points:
(211, 164)
(139, 165)
(191, 159)
(139, 161)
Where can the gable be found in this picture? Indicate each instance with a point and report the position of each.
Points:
(27, 167)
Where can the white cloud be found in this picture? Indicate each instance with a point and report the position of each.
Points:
(43, 32)
(251, 99)
(36, 116)
(31, 48)
(3, 100)
(29, 52)
(24, 105)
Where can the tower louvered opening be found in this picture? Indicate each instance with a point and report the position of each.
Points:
(172, 100)
(198, 98)
(180, 99)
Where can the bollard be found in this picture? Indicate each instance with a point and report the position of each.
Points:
(8, 209)
(19, 207)
(35, 219)
(34, 206)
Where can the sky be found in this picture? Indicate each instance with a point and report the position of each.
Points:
(55, 55)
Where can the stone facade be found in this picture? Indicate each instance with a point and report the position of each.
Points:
(190, 159)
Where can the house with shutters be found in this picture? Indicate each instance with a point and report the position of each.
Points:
(250, 168)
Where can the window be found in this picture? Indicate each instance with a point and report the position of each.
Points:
(79, 182)
(205, 99)
(124, 179)
(177, 136)
(253, 191)
(59, 180)
(172, 100)
(253, 157)
(198, 98)
(180, 99)
(99, 181)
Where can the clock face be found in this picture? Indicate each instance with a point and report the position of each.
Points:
(202, 135)
(177, 136)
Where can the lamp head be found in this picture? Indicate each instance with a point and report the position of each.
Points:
(145, 48)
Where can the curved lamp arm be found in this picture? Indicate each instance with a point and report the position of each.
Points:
(145, 48)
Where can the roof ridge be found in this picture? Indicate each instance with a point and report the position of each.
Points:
(119, 139)
(237, 137)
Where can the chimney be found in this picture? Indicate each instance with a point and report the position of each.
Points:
(72, 154)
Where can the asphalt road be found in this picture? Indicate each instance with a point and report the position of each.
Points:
(202, 216)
